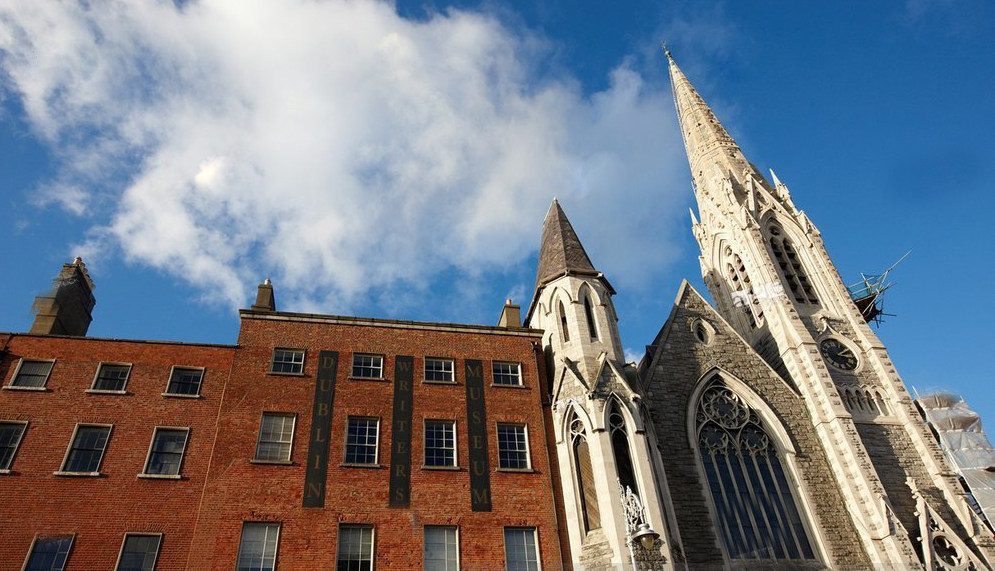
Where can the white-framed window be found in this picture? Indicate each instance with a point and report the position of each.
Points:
(758, 517)
(276, 437)
(507, 373)
(11, 433)
(367, 366)
(257, 546)
(513, 446)
(439, 370)
(139, 552)
(48, 553)
(111, 377)
(86, 450)
(287, 361)
(362, 440)
(355, 551)
(440, 443)
(185, 381)
(520, 549)
(166, 451)
(441, 548)
(32, 373)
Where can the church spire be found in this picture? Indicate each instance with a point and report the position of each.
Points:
(560, 251)
(707, 142)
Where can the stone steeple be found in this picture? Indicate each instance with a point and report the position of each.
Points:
(560, 250)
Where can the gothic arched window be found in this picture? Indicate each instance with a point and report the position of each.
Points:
(620, 449)
(589, 313)
(585, 476)
(791, 266)
(756, 511)
(742, 294)
(563, 323)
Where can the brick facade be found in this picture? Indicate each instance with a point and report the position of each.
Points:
(201, 515)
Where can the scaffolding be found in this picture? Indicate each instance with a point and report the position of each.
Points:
(964, 443)
(868, 293)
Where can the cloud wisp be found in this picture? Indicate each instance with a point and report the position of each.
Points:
(333, 146)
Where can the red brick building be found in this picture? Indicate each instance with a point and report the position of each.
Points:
(315, 442)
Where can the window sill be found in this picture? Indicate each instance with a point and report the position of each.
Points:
(283, 374)
(355, 465)
(450, 383)
(181, 396)
(373, 379)
(78, 474)
(5, 471)
(271, 462)
(517, 470)
(161, 476)
(17, 388)
(442, 468)
(105, 392)
(503, 386)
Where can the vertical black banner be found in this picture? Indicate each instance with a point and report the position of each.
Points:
(321, 428)
(400, 449)
(480, 470)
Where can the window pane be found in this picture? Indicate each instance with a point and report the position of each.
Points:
(185, 381)
(507, 374)
(275, 436)
(257, 548)
(520, 549)
(361, 441)
(32, 374)
(513, 451)
(166, 454)
(440, 548)
(355, 548)
(111, 377)
(367, 366)
(440, 443)
(139, 553)
(10, 437)
(288, 361)
(439, 370)
(49, 554)
(87, 449)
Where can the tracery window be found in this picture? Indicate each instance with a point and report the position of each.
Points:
(791, 266)
(585, 476)
(756, 512)
(620, 448)
(743, 294)
(563, 323)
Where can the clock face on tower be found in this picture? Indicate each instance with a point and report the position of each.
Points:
(837, 354)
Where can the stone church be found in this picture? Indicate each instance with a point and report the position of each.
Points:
(770, 430)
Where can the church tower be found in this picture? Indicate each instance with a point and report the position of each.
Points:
(771, 278)
(601, 437)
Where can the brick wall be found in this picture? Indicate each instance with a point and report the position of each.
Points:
(100, 510)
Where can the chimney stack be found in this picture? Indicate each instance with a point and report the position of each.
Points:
(265, 300)
(66, 310)
(511, 315)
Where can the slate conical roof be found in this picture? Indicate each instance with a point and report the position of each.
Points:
(560, 251)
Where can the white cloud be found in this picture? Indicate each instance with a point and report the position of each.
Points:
(335, 146)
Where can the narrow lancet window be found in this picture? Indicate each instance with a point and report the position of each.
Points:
(564, 331)
(585, 476)
(756, 510)
(620, 449)
(589, 313)
(742, 289)
(791, 267)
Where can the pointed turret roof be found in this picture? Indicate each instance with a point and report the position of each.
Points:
(706, 140)
(560, 251)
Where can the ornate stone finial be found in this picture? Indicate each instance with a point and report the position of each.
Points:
(666, 51)
(267, 282)
(77, 261)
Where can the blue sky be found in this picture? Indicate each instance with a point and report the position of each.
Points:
(397, 160)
